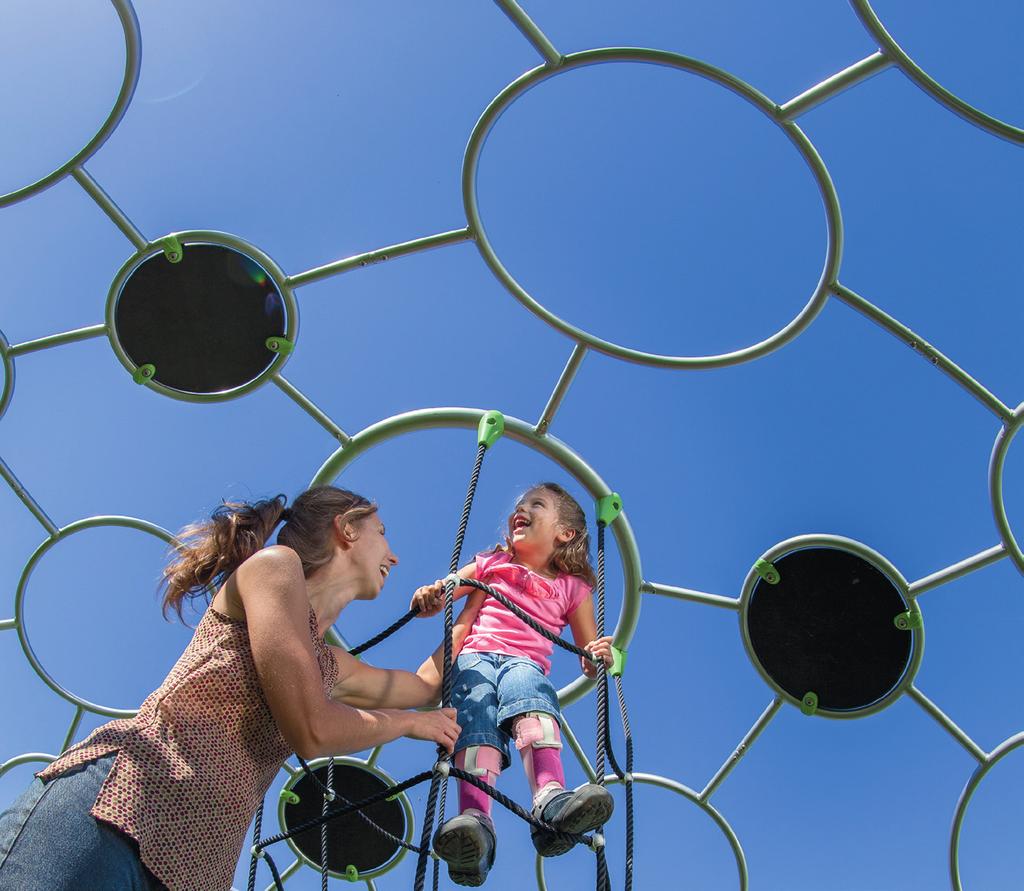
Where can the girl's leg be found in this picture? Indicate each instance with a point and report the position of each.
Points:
(483, 762)
(538, 740)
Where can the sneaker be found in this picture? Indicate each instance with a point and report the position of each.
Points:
(467, 844)
(587, 808)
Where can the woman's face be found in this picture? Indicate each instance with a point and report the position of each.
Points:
(371, 555)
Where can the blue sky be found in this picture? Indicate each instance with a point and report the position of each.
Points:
(643, 204)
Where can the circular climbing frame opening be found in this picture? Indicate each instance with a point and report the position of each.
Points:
(202, 322)
(351, 841)
(827, 628)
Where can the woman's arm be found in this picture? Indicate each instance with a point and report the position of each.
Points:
(272, 589)
(584, 628)
(364, 686)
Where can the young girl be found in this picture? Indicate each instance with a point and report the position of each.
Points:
(500, 686)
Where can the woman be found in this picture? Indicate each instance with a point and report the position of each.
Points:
(164, 799)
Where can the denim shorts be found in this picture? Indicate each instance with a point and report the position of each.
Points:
(490, 689)
(50, 842)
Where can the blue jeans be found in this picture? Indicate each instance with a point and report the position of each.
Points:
(50, 842)
(490, 689)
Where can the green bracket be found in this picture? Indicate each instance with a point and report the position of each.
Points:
(768, 572)
(618, 662)
(909, 620)
(280, 345)
(809, 704)
(491, 426)
(143, 373)
(351, 873)
(608, 508)
(172, 248)
(289, 796)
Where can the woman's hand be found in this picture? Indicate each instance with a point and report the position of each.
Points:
(602, 648)
(429, 599)
(437, 725)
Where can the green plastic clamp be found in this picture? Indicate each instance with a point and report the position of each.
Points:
(289, 796)
(351, 873)
(809, 704)
(909, 620)
(608, 508)
(768, 572)
(278, 344)
(172, 248)
(490, 429)
(618, 662)
(143, 373)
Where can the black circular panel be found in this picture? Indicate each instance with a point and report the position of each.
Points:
(350, 840)
(202, 322)
(827, 628)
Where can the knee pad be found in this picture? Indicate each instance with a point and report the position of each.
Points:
(537, 730)
(479, 760)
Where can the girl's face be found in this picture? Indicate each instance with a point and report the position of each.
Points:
(535, 527)
(371, 555)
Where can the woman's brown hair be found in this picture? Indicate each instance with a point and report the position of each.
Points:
(210, 550)
(571, 557)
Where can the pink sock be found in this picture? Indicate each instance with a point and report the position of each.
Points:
(537, 738)
(483, 762)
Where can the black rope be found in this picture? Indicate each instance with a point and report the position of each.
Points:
(446, 677)
(328, 795)
(603, 735)
(628, 780)
(257, 828)
(386, 633)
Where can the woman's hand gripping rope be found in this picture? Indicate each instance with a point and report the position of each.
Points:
(437, 725)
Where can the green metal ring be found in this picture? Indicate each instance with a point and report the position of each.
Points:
(402, 798)
(27, 758)
(8, 363)
(222, 239)
(688, 793)
(882, 565)
(1000, 752)
(19, 602)
(932, 87)
(132, 64)
(995, 485)
(833, 216)
(524, 433)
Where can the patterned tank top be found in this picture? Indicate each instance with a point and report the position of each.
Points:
(196, 761)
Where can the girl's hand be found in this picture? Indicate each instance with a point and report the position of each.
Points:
(602, 647)
(429, 599)
(437, 726)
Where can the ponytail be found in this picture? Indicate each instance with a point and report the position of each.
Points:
(209, 551)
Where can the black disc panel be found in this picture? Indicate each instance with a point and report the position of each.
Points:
(350, 840)
(202, 322)
(827, 628)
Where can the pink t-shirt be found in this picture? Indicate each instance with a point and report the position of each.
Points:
(548, 601)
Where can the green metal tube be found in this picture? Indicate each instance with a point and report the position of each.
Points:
(577, 749)
(379, 256)
(978, 561)
(72, 730)
(109, 207)
(688, 594)
(561, 388)
(54, 340)
(311, 409)
(949, 725)
(937, 359)
(832, 86)
(530, 31)
(748, 740)
(27, 499)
